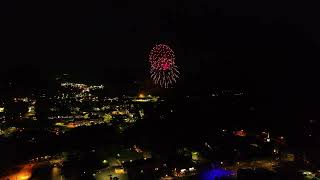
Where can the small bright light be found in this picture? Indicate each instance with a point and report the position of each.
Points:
(192, 169)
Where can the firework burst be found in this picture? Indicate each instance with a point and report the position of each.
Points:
(164, 71)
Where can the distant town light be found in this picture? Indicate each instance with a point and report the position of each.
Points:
(141, 95)
(192, 169)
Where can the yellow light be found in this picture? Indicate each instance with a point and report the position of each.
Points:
(119, 171)
(141, 95)
(23, 177)
(59, 124)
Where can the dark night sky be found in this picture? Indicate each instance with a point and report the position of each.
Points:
(269, 48)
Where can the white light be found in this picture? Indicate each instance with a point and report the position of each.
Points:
(192, 169)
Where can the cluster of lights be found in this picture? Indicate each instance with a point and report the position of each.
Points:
(23, 99)
(84, 87)
(80, 92)
(163, 70)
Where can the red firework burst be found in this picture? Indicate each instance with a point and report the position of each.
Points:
(163, 71)
(161, 52)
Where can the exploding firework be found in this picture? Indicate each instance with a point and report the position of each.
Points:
(164, 71)
(161, 51)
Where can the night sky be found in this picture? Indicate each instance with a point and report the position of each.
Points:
(270, 49)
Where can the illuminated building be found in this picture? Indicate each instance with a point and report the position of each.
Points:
(195, 156)
(141, 96)
(119, 170)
